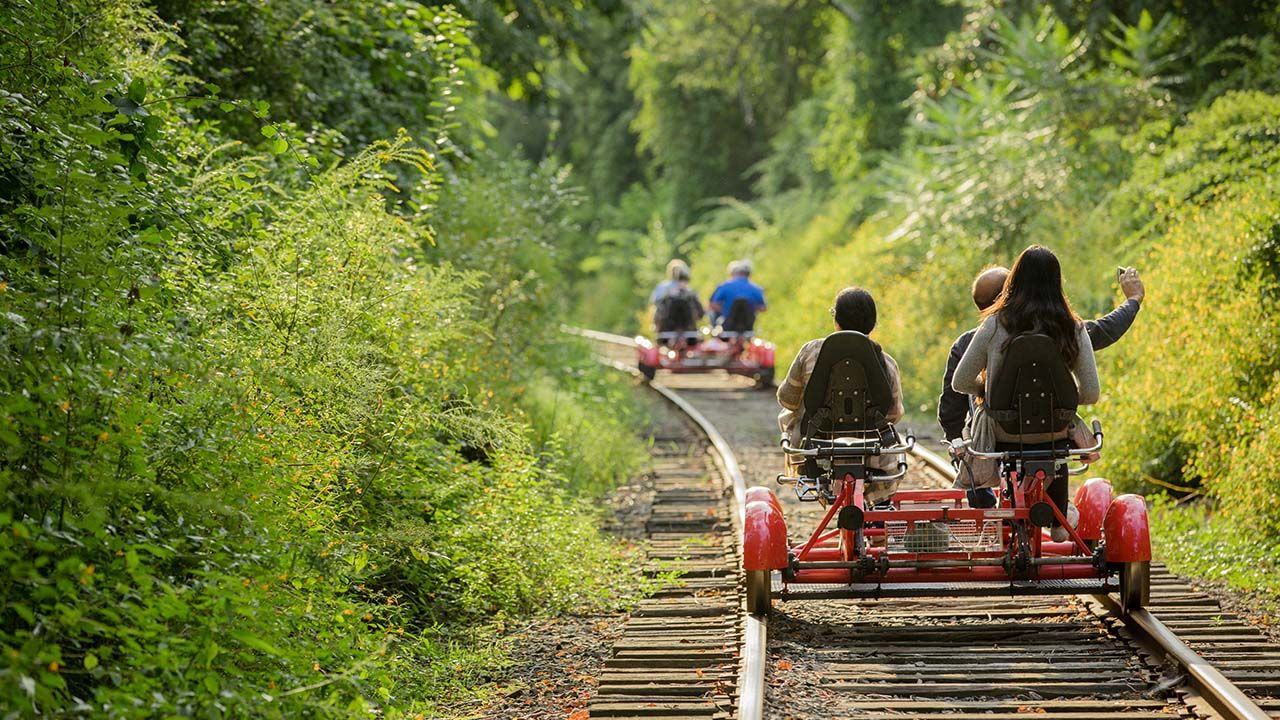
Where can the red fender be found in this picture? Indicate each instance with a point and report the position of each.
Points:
(648, 353)
(763, 352)
(1125, 527)
(764, 537)
(1092, 500)
(763, 494)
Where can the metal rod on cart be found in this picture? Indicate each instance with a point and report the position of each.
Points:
(930, 564)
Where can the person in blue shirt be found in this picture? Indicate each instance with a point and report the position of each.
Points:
(737, 301)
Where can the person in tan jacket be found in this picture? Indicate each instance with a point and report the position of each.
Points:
(854, 309)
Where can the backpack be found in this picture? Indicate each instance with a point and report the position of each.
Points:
(676, 310)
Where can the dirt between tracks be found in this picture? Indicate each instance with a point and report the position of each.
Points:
(553, 670)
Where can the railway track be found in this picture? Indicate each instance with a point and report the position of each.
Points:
(696, 653)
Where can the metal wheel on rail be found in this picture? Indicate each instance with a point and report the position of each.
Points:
(759, 592)
(648, 371)
(1135, 585)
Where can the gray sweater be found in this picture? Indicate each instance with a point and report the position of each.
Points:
(986, 351)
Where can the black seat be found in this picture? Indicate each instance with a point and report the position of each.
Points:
(1033, 391)
(678, 311)
(848, 393)
(741, 317)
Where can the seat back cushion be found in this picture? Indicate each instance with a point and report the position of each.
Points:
(1033, 390)
(848, 391)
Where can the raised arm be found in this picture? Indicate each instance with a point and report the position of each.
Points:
(967, 380)
(1109, 328)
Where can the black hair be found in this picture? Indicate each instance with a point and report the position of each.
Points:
(1033, 301)
(855, 309)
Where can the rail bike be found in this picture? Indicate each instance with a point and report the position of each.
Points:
(928, 542)
(706, 350)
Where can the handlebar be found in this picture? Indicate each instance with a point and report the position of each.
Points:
(849, 447)
(877, 477)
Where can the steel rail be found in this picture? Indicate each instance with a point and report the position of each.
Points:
(754, 630)
(1212, 685)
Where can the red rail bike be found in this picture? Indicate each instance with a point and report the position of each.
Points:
(929, 542)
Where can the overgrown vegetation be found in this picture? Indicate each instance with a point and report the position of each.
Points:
(284, 417)
(283, 427)
(902, 146)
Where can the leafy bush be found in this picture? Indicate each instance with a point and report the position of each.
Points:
(1195, 542)
(1192, 393)
(257, 456)
(1221, 150)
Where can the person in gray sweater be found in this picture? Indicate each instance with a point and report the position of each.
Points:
(954, 407)
(1032, 301)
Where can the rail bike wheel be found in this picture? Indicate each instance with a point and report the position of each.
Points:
(764, 379)
(1135, 585)
(759, 592)
(648, 371)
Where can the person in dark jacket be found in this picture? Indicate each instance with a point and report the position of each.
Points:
(953, 407)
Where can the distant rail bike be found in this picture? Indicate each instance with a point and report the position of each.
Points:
(705, 350)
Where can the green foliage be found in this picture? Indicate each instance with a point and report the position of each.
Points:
(1196, 543)
(1222, 150)
(364, 69)
(712, 84)
(868, 76)
(260, 456)
(1199, 409)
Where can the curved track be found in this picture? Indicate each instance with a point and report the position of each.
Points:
(1056, 657)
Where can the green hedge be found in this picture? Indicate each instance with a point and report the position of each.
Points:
(257, 455)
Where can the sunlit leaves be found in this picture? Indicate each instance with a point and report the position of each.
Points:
(232, 376)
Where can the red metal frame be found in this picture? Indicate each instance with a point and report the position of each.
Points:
(841, 545)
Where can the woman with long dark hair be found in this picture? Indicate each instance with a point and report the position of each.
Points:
(1032, 301)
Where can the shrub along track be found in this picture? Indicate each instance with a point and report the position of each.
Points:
(990, 658)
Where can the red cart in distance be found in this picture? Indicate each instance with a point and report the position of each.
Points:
(702, 351)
